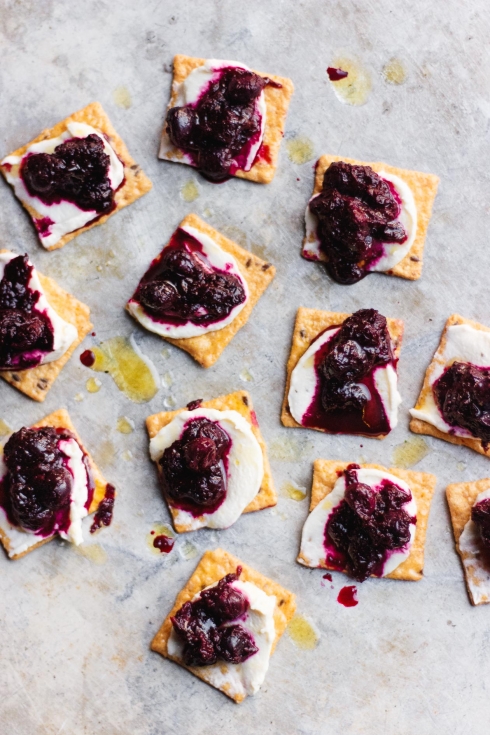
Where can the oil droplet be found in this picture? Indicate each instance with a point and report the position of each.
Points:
(5, 429)
(132, 372)
(289, 450)
(125, 425)
(354, 89)
(93, 385)
(167, 380)
(189, 192)
(188, 551)
(127, 455)
(302, 633)
(300, 150)
(410, 452)
(165, 353)
(122, 97)
(293, 492)
(461, 466)
(79, 397)
(158, 530)
(169, 402)
(208, 212)
(246, 375)
(394, 72)
(94, 552)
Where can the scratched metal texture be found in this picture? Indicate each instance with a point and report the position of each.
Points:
(74, 634)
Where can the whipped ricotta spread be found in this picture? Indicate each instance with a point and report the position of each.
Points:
(304, 381)
(64, 334)
(65, 216)
(313, 552)
(245, 465)
(20, 540)
(463, 343)
(219, 260)
(245, 678)
(473, 555)
(190, 90)
(392, 252)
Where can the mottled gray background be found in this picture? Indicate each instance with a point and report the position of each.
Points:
(411, 657)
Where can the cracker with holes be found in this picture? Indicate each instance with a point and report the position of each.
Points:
(212, 462)
(244, 616)
(74, 176)
(366, 217)
(48, 484)
(469, 505)
(455, 396)
(342, 373)
(40, 326)
(224, 119)
(367, 520)
(200, 290)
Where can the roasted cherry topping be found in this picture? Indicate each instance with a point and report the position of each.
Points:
(181, 287)
(480, 515)
(462, 394)
(368, 524)
(194, 467)
(77, 172)
(38, 484)
(216, 129)
(208, 628)
(357, 212)
(24, 333)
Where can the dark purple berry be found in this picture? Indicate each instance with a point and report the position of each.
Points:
(480, 515)
(462, 394)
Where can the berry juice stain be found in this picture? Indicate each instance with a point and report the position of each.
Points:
(87, 358)
(302, 633)
(131, 371)
(163, 543)
(327, 576)
(335, 75)
(160, 540)
(348, 596)
(354, 88)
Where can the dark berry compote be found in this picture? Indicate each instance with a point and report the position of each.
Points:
(194, 468)
(181, 286)
(37, 488)
(346, 399)
(367, 526)
(26, 334)
(218, 131)
(209, 629)
(462, 394)
(357, 213)
(480, 515)
(77, 171)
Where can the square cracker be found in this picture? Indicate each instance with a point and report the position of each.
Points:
(423, 427)
(214, 565)
(461, 497)
(309, 324)
(424, 189)
(241, 402)
(422, 484)
(37, 381)
(277, 103)
(206, 348)
(61, 420)
(136, 182)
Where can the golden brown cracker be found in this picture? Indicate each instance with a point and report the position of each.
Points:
(277, 103)
(308, 326)
(37, 381)
(424, 189)
(240, 401)
(61, 420)
(418, 426)
(213, 566)
(258, 274)
(461, 497)
(136, 183)
(326, 472)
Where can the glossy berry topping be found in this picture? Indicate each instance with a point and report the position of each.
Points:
(194, 467)
(208, 628)
(480, 515)
(357, 212)
(181, 286)
(367, 524)
(25, 334)
(462, 394)
(103, 514)
(77, 172)
(38, 483)
(217, 130)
